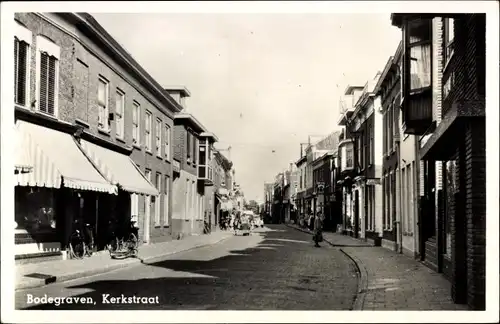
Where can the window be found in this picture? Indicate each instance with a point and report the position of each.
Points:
(136, 118)
(134, 207)
(194, 149)
(370, 147)
(120, 109)
(167, 142)
(404, 202)
(158, 137)
(188, 145)
(448, 39)
(147, 131)
(409, 197)
(102, 103)
(48, 76)
(158, 205)
(166, 202)
(188, 199)
(22, 43)
(419, 36)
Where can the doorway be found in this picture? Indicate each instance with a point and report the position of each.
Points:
(356, 213)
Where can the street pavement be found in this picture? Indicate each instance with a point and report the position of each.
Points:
(276, 268)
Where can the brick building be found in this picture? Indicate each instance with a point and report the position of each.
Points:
(444, 104)
(79, 92)
(388, 89)
(207, 175)
(188, 193)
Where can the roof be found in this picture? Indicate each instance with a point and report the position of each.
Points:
(89, 22)
(182, 89)
(210, 135)
(386, 70)
(350, 89)
(192, 120)
(301, 160)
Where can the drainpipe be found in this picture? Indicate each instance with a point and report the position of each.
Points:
(400, 223)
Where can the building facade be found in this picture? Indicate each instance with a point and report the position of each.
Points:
(389, 90)
(188, 193)
(77, 91)
(367, 180)
(348, 166)
(444, 104)
(301, 188)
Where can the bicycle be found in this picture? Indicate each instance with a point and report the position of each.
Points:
(120, 248)
(81, 242)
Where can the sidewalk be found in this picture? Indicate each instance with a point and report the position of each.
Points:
(392, 281)
(43, 273)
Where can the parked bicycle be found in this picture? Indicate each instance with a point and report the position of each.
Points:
(124, 245)
(81, 241)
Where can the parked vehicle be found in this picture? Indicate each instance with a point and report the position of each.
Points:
(81, 240)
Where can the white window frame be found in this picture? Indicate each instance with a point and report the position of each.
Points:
(147, 132)
(166, 202)
(158, 131)
(136, 125)
(134, 207)
(45, 45)
(167, 142)
(120, 117)
(158, 183)
(23, 34)
(105, 122)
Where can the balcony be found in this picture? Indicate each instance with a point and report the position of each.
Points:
(346, 109)
(416, 103)
(347, 157)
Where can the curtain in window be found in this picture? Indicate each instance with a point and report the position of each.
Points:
(420, 66)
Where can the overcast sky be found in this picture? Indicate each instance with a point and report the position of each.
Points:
(261, 82)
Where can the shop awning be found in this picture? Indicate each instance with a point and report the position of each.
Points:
(119, 169)
(56, 160)
(22, 163)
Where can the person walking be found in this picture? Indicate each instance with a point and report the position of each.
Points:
(318, 229)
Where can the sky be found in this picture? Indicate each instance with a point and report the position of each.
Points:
(261, 82)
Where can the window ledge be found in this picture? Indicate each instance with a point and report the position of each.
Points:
(136, 146)
(149, 152)
(159, 157)
(46, 115)
(82, 123)
(121, 139)
(157, 226)
(103, 131)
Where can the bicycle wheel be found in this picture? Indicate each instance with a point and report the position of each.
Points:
(112, 246)
(133, 241)
(77, 248)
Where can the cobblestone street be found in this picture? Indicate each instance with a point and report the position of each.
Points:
(275, 269)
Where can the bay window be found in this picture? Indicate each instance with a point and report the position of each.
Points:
(448, 37)
(419, 46)
(417, 75)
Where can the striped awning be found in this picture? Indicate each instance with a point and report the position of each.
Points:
(118, 169)
(56, 160)
(22, 162)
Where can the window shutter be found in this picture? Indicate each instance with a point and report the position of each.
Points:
(44, 64)
(439, 175)
(51, 86)
(16, 72)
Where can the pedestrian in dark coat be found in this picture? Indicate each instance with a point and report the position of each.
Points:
(318, 229)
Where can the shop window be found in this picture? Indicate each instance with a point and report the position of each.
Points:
(35, 209)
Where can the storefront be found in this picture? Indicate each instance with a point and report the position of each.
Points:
(44, 196)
